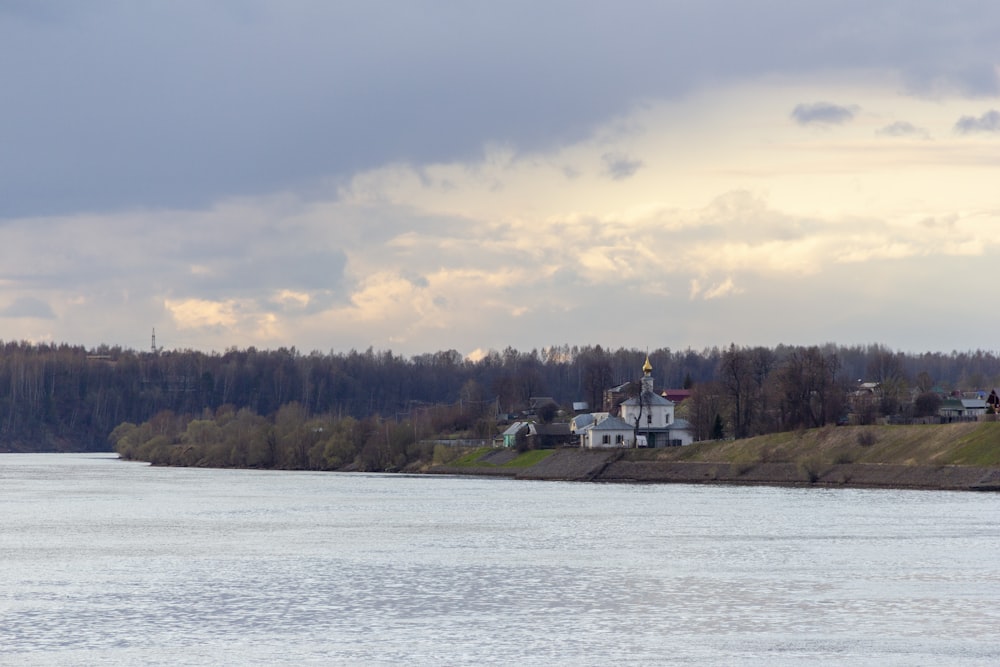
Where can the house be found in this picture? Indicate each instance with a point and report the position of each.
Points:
(512, 432)
(536, 403)
(615, 395)
(610, 431)
(547, 436)
(676, 395)
(961, 409)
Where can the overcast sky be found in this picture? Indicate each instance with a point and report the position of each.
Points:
(421, 176)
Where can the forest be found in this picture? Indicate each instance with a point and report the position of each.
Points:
(61, 397)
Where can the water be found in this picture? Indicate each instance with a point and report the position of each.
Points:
(109, 562)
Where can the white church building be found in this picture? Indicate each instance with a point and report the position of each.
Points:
(646, 420)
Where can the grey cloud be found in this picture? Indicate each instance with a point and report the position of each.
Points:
(823, 113)
(976, 79)
(319, 301)
(27, 306)
(184, 103)
(417, 280)
(619, 166)
(902, 128)
(988, 122)
(267, 270)
(981, 79)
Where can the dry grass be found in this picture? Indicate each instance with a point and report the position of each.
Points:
(976, 444)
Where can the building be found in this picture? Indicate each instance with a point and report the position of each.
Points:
(607, 431)
(652, 416)
(547, 436)
(511, 434)
(646, 420)
(962, 409)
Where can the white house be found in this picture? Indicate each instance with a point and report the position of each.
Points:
(607, 432)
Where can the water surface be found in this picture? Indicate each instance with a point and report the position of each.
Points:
(113, 562)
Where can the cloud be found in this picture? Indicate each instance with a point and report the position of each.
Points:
(823, 113)
(307, 97)
(902, 128)
(988, 122)
(29, 307)
(619, 166)
(500, 247)
(724, 288)
(196, 313)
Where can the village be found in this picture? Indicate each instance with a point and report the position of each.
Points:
(648, 419)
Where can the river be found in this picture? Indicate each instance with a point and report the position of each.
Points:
(120, 563)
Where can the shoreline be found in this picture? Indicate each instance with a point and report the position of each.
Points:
(574, 465)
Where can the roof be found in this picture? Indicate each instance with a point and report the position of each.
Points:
(538, 401)
(558, 428)
(648, 398)
(581, 421)
(514, 428)
(961, 404)
(611, 424)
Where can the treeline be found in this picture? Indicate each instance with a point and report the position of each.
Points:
(58, 397)
(291, 439)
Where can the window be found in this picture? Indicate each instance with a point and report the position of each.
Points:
(605, 439)
(619, 439)
(649, 420)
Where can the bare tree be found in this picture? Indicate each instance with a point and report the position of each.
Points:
(736, 372)
(809, 388)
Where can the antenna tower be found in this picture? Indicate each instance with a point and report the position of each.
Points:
(154, 341)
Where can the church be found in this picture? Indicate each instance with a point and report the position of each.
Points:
(646, 420)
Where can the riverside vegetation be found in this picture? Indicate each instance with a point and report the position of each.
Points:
(379, 411)
(924, 456)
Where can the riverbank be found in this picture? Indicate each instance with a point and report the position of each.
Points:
(948, 457)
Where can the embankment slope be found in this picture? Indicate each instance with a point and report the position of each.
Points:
(955, 456)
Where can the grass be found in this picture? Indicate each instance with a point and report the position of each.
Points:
(523, 460)
(978, 448)
(529, 458)
(813, 450)
(472, 458)
(973, 443)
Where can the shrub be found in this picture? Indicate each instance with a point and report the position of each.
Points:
(811, 468)
(866, 438)
(843, 457)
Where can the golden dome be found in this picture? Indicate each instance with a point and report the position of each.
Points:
(647, 367)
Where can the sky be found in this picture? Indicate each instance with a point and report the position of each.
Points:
(425, 176)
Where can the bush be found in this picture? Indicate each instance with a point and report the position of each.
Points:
(843, 457)
(866, 438)
(811, 468)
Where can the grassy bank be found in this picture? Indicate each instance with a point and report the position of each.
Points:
(487, 457)
(956, 456)
(965, 444)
